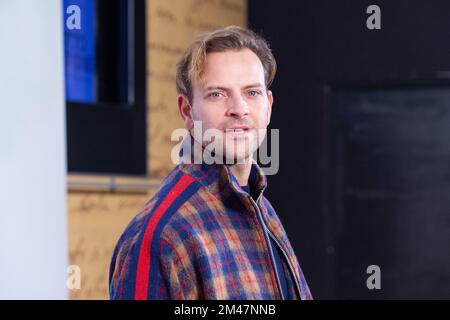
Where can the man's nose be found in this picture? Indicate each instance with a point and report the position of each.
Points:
(238, 107)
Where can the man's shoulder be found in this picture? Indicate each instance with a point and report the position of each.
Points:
(180, 198)
(168, 205)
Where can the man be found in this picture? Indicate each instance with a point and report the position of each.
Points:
(209, 233)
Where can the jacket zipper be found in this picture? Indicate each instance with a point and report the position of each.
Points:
(289, 264)
(266, 236)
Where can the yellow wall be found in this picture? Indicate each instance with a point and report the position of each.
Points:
(96, 219)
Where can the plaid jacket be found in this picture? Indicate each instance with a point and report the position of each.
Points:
(199, 237)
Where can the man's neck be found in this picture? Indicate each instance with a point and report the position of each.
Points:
(242, 171)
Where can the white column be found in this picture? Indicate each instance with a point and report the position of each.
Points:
(33, 225)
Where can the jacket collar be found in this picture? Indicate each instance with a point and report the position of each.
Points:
(218, 178)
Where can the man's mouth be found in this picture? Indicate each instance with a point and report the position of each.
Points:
(238, 129)
(237, 132)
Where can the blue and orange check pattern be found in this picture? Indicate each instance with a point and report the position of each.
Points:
(199, 238)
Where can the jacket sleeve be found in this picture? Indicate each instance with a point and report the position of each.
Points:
(169, 276)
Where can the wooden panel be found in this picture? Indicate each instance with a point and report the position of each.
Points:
(96, 221)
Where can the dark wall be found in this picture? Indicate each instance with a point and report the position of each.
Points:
(321, 46)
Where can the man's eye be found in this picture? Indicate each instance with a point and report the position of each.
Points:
(215, 94)
(253, 93)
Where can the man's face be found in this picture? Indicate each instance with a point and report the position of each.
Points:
(232, 98)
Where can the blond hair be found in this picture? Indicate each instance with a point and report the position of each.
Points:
(191, 64)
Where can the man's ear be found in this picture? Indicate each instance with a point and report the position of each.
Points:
(185, 109)
(270, 101)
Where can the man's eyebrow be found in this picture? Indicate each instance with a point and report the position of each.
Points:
(253, 85)
(215, 88)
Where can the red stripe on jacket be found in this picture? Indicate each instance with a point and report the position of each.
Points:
(143, 267)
